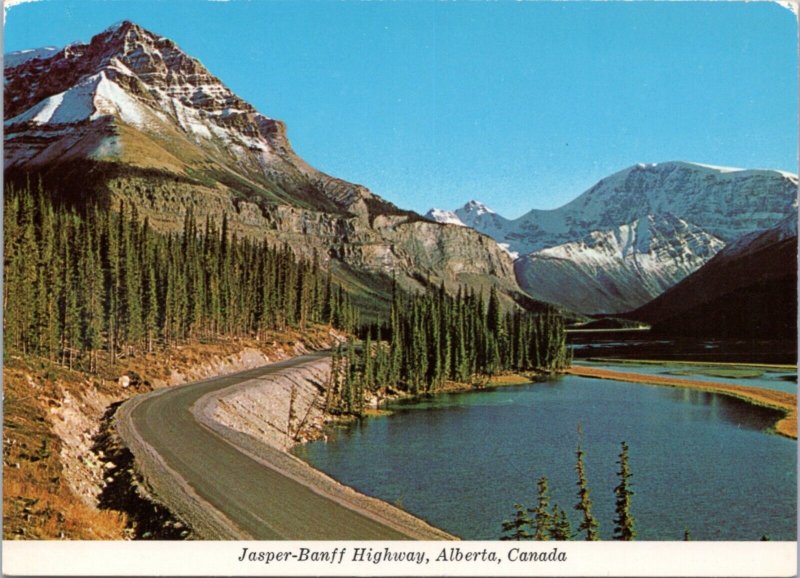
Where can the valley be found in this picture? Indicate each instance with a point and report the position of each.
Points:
(193, 313)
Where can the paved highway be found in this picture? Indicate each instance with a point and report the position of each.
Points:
(232, 490)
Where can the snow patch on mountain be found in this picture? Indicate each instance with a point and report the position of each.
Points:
(483, 219)
(638, 231)
(13, 59)
(95, 96)
(442, 216)
(143, 80)
(505, 247)
(612, 271)
(477, 208)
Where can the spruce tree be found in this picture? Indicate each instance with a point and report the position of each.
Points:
(624, 522)
(584, 505)
(542, 520)
(518, 528)
(560, 529)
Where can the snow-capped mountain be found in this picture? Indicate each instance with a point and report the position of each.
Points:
(607, 271)
(726, 202)
(81, 102)
(481, 218)
(77, 102)
(13, 59)
(636, 232)
(477, 216)
(130, 117)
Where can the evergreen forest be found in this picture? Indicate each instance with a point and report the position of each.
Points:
(90, 281)
(81, 283)
(434, 337)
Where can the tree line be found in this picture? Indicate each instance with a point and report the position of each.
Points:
(434, 337)
(544, 523)
(79, 283)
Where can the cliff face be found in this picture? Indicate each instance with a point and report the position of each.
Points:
(413, 250)
(129, 117)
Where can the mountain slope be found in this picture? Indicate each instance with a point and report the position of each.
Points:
(749, 289)
(130, 117)
(637, 232)
(608, 270)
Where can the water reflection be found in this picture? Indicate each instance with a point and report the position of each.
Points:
(461, 461)
(730, 409)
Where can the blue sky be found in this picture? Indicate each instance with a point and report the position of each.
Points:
(519, 104)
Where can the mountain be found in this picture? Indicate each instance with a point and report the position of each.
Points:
(749, 289)
(16, 58)
(477, 216)
(606, 271)
(130, 117)
(637, 232)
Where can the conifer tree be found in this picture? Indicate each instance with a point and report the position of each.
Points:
(588, 522)
(78, 283)
(518, 528)
(560, 529)
(542, 518)
(624, 521)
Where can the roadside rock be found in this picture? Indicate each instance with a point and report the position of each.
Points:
(281, 411)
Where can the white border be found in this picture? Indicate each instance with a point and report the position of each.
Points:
(85, 558)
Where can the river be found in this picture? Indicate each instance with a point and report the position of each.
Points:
(701, 462)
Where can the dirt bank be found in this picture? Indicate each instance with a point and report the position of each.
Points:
(280, 412)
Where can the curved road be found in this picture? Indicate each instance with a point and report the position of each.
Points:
(224, 484)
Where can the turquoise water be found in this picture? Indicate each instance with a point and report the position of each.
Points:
(779, 379)
(700, 461)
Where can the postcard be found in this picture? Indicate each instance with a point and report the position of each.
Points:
(400, 288)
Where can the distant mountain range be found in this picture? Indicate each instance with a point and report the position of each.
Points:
(130, 117)
(635, 233)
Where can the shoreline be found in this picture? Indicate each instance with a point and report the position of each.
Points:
(624, 361)
(271, 444)
(774, 399)
(501, 380)
(216, 409)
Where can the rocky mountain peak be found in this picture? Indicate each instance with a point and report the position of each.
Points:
(144, 63)
(477, 207)
(635, 232)
(132, 75)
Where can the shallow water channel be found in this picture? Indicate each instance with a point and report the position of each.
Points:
(700, 461)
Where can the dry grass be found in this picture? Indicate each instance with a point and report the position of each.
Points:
(36, 510)
(37, 500)
(37, 504)
(510, 379)
(780, 400)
